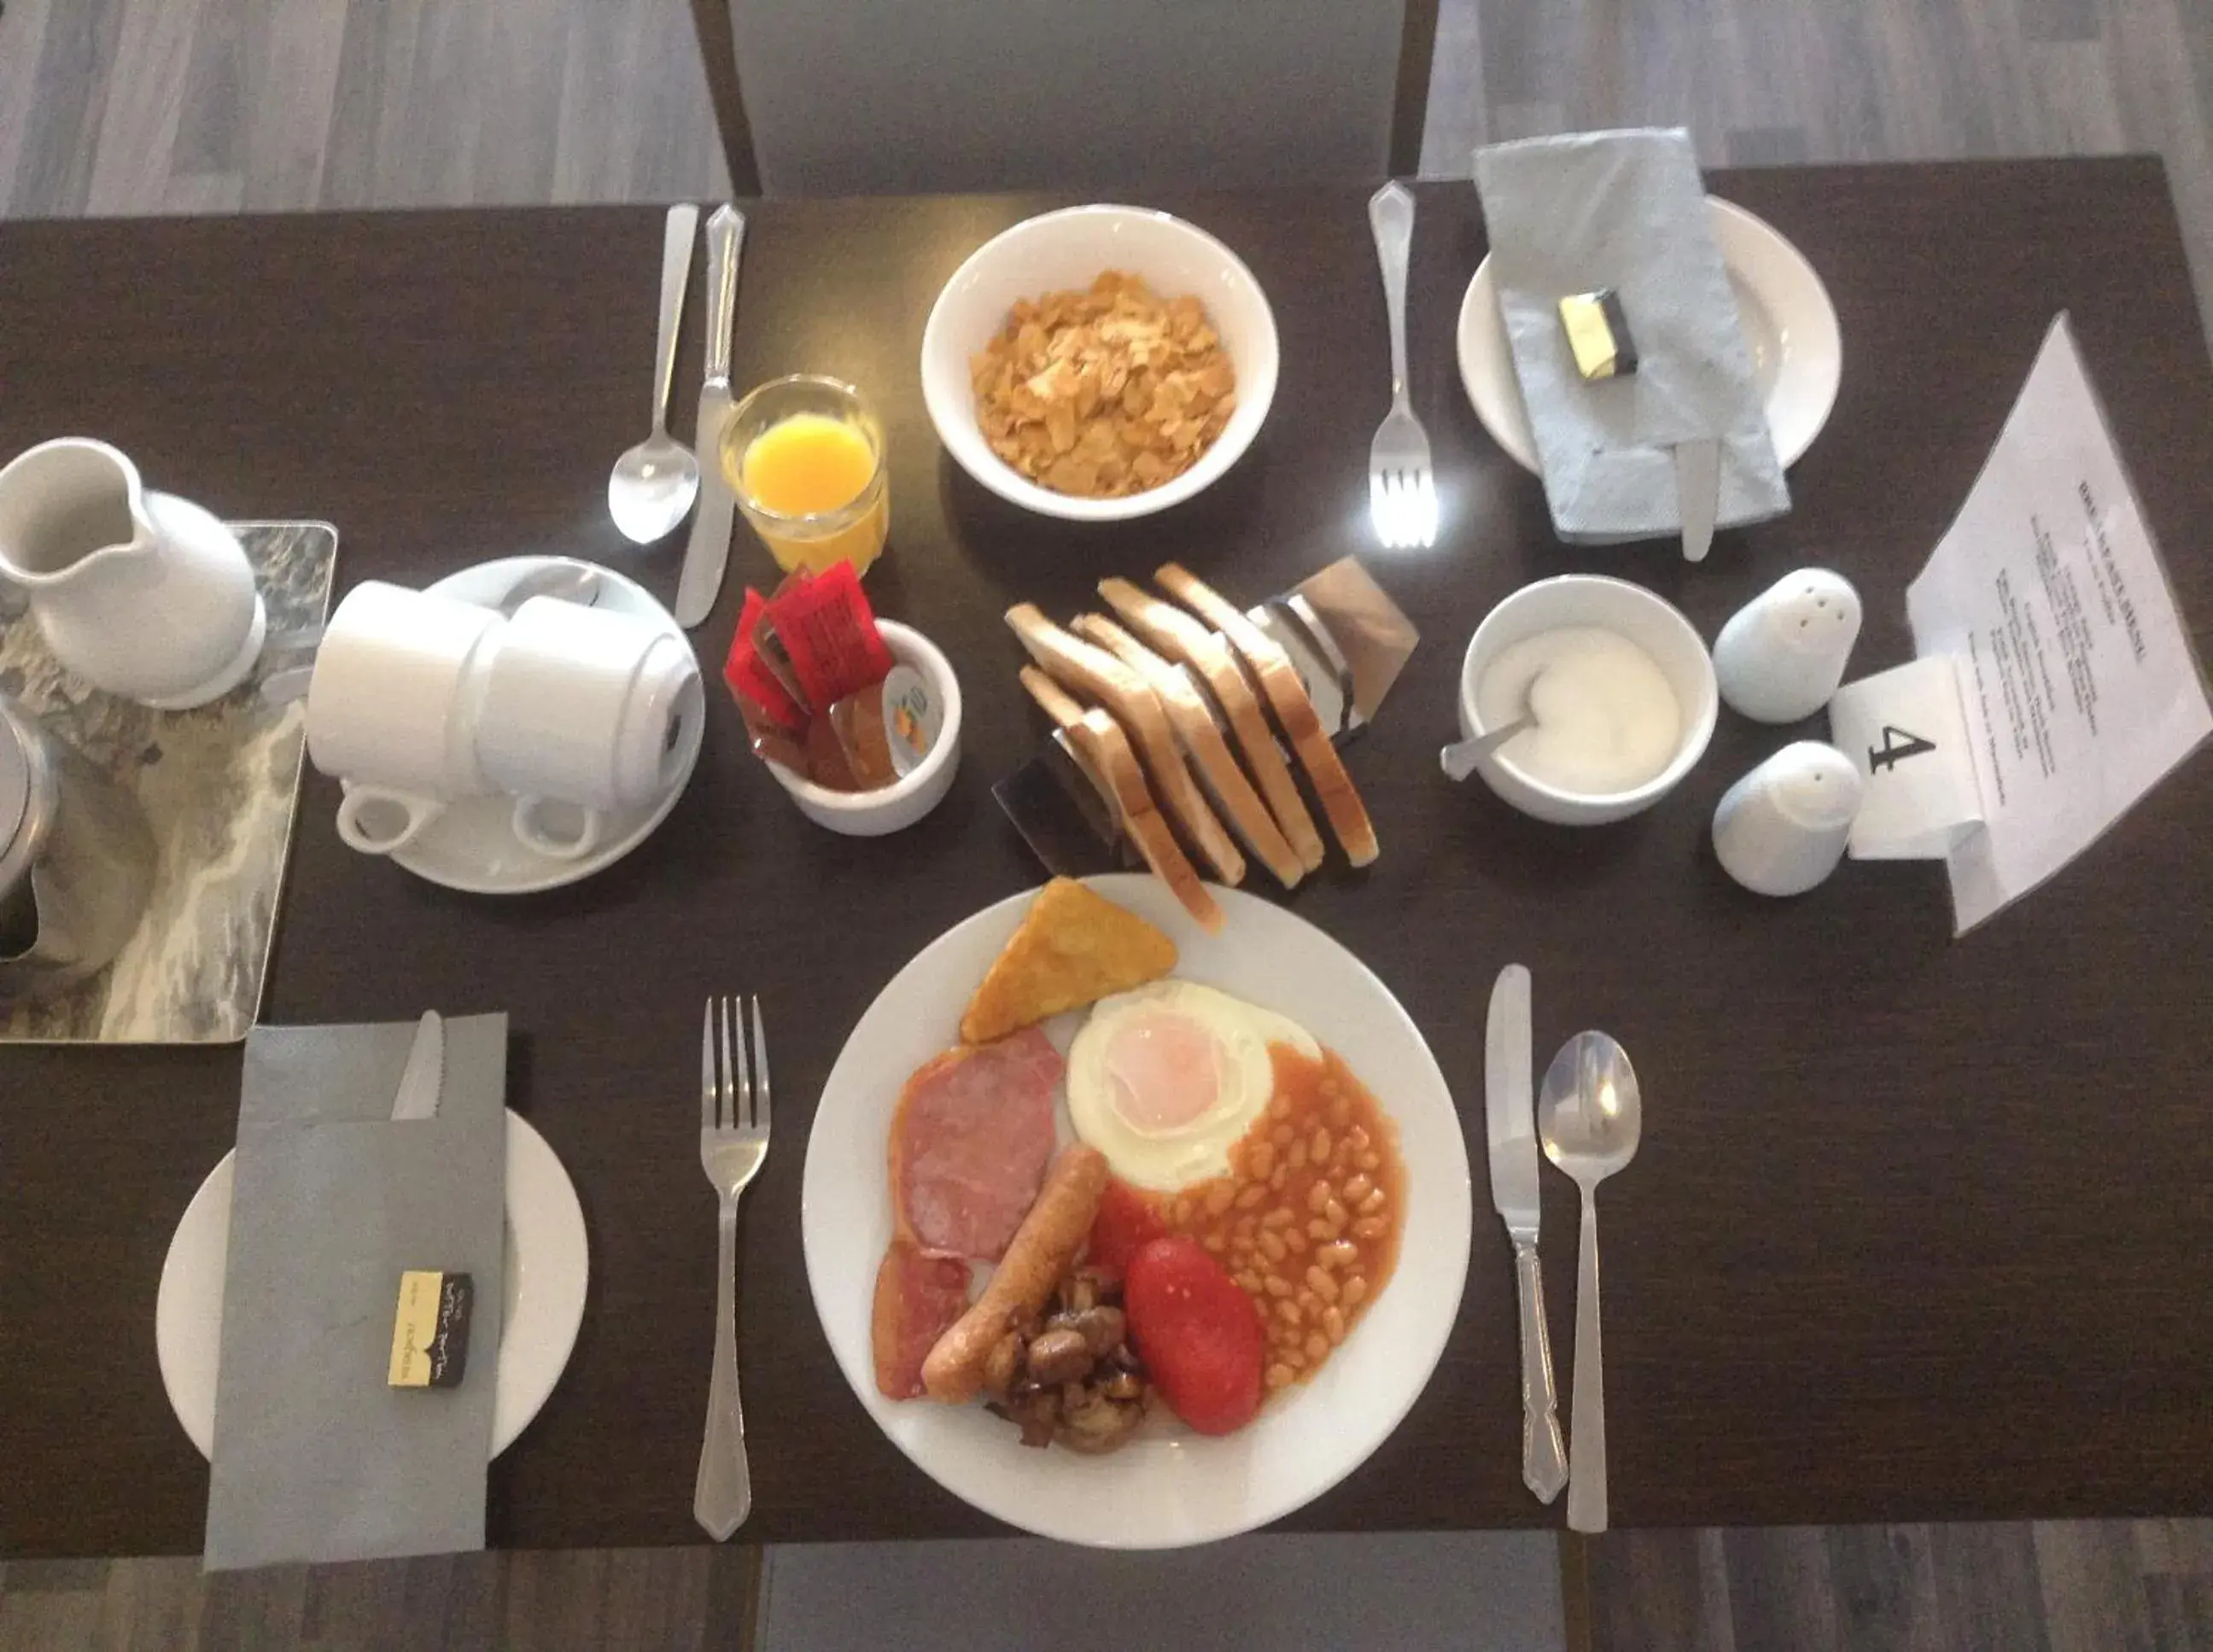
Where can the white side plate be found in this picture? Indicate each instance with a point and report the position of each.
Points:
(542, 1298)
(1790, 326)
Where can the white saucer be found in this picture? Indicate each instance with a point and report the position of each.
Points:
(1790, 327)
(472, 847)
(541, 1294)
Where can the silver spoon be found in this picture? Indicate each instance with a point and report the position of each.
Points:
(1588, 1117)
(1459, 760)
(653, 484)
(562, 580)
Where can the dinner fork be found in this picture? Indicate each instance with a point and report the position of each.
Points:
(733, 1145)
(1402, 488)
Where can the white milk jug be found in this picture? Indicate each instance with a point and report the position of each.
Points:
(141, 594)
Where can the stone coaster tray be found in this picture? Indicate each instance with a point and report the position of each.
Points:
(219, 785)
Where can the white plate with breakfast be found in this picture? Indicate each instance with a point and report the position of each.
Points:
(1790, 327)
(1132, 1232)
(542, 1283)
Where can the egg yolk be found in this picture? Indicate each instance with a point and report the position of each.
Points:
(1163, 1073)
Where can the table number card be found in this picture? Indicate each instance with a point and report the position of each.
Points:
(1905, 731)
(2074, 685)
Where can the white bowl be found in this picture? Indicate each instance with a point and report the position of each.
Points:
(906, 800)
(1060, 250)
(1630, 610)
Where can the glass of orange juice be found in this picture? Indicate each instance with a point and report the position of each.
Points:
(805, 456)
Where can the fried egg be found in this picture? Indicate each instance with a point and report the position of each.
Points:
(1164, 1079)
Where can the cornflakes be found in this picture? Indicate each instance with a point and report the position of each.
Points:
(1106, 391)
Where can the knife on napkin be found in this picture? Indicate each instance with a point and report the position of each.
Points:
(1697, 494)
(421, 1079)
(1511, 1116)
(709, 549)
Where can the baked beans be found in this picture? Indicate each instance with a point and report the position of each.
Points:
(1322, 1197)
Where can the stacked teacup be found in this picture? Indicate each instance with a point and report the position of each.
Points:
(418, 701)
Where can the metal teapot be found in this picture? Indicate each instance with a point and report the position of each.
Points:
(77, 861)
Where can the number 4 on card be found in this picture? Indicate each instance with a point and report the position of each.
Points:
(1898, 744)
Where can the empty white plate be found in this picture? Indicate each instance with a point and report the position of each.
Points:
(541, 1296)
(1790, 326)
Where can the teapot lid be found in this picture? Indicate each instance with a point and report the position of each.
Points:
(15, 794)
(15, 782)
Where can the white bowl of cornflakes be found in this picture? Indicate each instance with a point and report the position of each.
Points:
(1099, 362)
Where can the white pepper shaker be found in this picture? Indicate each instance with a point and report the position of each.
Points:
(1782, 654)
(1781, 830)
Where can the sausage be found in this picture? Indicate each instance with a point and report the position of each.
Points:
(1038, 1255)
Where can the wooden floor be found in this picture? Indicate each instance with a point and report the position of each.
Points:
(112, 106)
(1762, 83)
(214, 106)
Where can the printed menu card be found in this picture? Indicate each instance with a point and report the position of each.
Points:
(2078, 687)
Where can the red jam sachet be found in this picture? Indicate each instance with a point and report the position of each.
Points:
(759, 691)
(825, 628)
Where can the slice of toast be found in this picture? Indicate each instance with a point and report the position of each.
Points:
(1195, 728)
(1074, 948)
(1099, 676)
(1287, 696)
(1101, 747)
(1177, 635)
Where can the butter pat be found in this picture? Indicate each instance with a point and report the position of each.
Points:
(1598, 333)
(431, 1330)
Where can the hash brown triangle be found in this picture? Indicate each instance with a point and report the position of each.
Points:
(1073, 948)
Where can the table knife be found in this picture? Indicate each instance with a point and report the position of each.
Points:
(425, 1075)
(1509, 1113)
(709, 550)
(1697, 495)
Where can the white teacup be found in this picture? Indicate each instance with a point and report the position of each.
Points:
(391, 710)
(584, 712)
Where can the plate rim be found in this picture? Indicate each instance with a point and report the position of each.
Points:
(1824, 354)
(1421, 1358)
(517, 1396)
(559, 874)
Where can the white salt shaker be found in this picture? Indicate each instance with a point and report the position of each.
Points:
(1782, 654)
(1781, 830)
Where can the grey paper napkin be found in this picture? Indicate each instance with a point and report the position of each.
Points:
(1627, 211)
(315, 1458)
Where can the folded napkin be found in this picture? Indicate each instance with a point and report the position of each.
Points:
(1625, 210)
(315, 1457)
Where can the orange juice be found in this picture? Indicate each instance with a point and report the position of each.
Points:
(812, 486)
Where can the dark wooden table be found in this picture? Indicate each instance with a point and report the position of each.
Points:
(1920, 1229)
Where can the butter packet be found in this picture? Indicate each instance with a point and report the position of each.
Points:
(430, 1330)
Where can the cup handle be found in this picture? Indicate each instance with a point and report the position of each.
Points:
(534, 834)
(357, 834)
